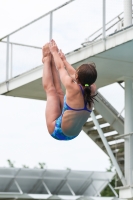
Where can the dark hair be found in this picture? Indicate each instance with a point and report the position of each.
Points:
(87, 74)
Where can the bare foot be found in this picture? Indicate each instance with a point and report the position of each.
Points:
(46, 54)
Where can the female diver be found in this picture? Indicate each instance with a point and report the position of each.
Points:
(65, 115)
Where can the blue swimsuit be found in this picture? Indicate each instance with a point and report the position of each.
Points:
(58, 133)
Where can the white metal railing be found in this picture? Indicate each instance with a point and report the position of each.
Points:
(103, 30)
(118, 20)
(7, 37)
(51, 21)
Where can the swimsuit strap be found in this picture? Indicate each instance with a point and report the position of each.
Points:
(81, 89)
(85, 103)
(67, 107)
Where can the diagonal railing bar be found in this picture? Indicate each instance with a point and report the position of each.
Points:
(62, 183)
(110, 107)
(84, 185)
(100, 29)
(51, 11)
(46, 187)
(19, 44)
(34, 188)
(18, 187)
(11, 182)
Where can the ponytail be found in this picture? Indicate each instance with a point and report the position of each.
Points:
(87, 75)
(87, 95)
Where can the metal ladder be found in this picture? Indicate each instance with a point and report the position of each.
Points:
(109, 120)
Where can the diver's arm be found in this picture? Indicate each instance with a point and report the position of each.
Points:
(71, 71)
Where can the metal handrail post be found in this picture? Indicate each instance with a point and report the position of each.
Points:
(51, 26)
(128, 130)
(7, 59)
(104, 18)
(57, 8)
(11, 66)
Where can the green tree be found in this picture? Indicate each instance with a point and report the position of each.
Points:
(10, 163)
(107, 192)
(42, 165)
(25, 166)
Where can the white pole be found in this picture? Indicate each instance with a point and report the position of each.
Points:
(104, 18)
(7, 59)
(11, 66)
(51, 26)
(129, 129)
(110, 153)
(127, 13)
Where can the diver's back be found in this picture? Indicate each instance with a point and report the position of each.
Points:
(76, 112)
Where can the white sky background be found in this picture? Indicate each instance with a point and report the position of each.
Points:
(23, 133)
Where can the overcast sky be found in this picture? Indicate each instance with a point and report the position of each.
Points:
(23, 133)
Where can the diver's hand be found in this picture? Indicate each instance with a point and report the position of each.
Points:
(62, 56)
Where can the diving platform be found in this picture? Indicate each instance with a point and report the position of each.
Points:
(113, 59)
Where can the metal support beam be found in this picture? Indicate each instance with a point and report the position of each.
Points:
(55, 9)
(97, 192)
(110, 153)
(85, 185)
(51, 26)
(128, 130)
(127, 13)
(7, 59)
(46, 188)
(115, 193)
(11, 182)
(19, 189)
(104, 24)
(102, 187)
(104, 19)
(72, 192)
(61, 184)
(34, 188)
(11, 66)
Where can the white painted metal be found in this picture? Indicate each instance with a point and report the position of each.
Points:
(46, 187)
(71, 190)
(129, 129)
(125, 192)
(119, 19)
(7, 59)
(51, 26)
(110, 65)
(11, 65)
(123, 136)
(20, 190)
(127, 13)
(110, 153)
(56, 191)
(104, 19)
(109, 113)
(37, 19)
(51, 179)
(12, 180)
(112, 189)
(20, 44)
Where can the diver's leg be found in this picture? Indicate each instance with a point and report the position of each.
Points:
(57, 83)
(53, 109)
